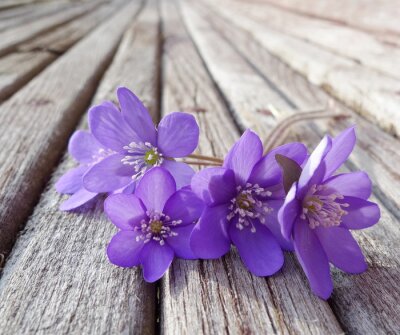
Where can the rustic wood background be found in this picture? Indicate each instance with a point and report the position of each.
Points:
(227, 62)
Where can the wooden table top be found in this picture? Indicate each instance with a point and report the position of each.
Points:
(233, 64)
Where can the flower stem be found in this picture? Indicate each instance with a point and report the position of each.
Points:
(207, 158)
(190, 162)
(281, 129)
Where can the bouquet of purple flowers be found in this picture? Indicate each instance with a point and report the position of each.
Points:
(263, 203)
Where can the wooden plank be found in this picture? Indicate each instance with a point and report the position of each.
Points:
(58, 279)
(221, 296)
(35, 122)
(358, 301)
(348, 42)
(32, 57)
(368, 92)
(9, 39)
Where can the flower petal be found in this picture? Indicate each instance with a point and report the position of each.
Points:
(108, 175)
(71, 181)
(124, 250)
(184, 205)
(289, 212)
(110, 129)
(361, 213)
(181, 243)
(272, 223)
(342, 146)
(178, 134)
(137, 116)
(155, 188)
(313, 259)
(181, 172)
(244, 156)
(259, 251)
(356, 184)
(78, 199)
(214, 186)
(209, 238)
(314, 170)
(155, 259)
(342, 249)
(267, 171)
(124, 210)
(84, 147)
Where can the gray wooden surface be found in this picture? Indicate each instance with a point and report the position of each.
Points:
(225, 62)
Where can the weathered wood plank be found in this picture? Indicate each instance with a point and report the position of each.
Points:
(58, 279)
(353, 294)
(33, 56)
(357, 45)
(366, 91)
(35, 122)
(9, 39)
(221, 296)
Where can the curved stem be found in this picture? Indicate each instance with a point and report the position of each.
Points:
(206, 158)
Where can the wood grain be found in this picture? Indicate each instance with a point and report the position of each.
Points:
(221, 296)
(35, 122)
(9, 39)
(352, 298)
(58, 279)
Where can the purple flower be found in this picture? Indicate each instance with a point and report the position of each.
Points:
(320, 209)
(87, 151)
(242, 200)
(137, 144)
(155, 224)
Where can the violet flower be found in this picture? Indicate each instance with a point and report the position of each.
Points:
(242, 200)
(137, 144)
(155, 224)
(320, 209)
(84, 148)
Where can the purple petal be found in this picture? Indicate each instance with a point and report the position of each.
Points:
(245, 155)
(272, 223)
(181, 172)
(314, 170)
(154, 189)
(361, 213)
(78, 199)
(356, 184)
(214, 186)
(342, 249)
(108, 175)
(184, 205)
(342, 146)
(156, 260)
(259, 251)
(178, 134)
(71, 181)
(110, 129)
(289, 212)
(267, 171)
(209, 238)
(136, 115)
(84, 147)
(313, 259)
(180, 243)
(124, 210)
(124, 250)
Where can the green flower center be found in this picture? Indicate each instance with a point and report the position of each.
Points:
(151, 157)
(156, 226)
(243, 202)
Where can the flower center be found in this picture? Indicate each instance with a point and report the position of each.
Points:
(157, 226)
(248, 205)
(321, 208)
(142, 157)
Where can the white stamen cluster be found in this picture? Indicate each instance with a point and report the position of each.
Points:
(142, 156)
(157, 226)
(249, 204)
(321, 208)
